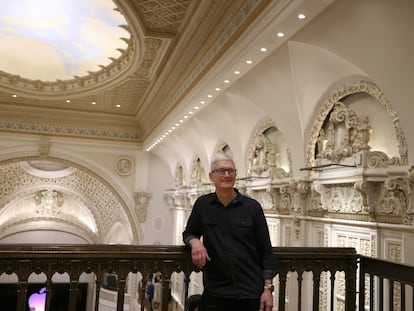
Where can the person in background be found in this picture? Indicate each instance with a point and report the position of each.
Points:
(149, 294)
(193, 302)
(157, 277)
(229, 240)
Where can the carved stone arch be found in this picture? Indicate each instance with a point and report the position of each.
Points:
(29, 209)
(268, 154)
(104, 202)
(362, 86)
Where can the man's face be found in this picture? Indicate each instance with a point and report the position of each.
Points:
(224, 175)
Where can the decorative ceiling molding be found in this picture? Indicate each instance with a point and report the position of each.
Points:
(173, 44)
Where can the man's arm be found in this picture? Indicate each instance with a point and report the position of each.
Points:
(199, 254)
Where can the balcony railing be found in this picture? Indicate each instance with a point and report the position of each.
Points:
(308, 278)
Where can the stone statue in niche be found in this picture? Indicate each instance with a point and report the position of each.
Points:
(197, 173)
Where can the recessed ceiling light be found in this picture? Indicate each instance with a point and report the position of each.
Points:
(209, 96)
(301, 16)
(217, 89)
(68, 100)
(249, 62)
(280, 34)
(226, 81)
(93, 103)
(263, 50)
(196, 107)
(14, 95)
(202, 102)
(118, 106)
(237, 72)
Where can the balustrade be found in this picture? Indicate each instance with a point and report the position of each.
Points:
(308, 278)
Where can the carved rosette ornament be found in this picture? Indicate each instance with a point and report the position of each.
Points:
(141, 205)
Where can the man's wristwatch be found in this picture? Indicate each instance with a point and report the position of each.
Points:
(271, 287)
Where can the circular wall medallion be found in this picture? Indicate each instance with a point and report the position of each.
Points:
(124, 166)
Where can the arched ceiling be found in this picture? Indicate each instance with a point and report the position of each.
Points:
(165, 50)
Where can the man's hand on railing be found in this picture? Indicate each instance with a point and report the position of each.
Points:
(266, 301)
(199, 254)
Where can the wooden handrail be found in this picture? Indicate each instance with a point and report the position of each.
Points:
(323, 264)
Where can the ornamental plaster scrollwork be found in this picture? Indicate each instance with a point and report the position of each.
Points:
(183, 198)
(346, 134)
(370, 194)
(350, 134)
(316, 199)
(264, 197)
(152, 46)
(49, 202)
(285, 201)
(338, 140)
(339, 199)
(299, 192)
(141, 205)
(378, 159)
(264, 157)
(259, 155)
(396, 200)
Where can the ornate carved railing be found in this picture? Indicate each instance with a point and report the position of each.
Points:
(324, 278)
(385, 285)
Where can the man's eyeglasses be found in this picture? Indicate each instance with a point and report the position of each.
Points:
(222, 171)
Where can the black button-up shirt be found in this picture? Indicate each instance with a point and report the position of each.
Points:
(237, 240)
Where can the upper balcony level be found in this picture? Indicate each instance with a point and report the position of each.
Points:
(308, 278)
